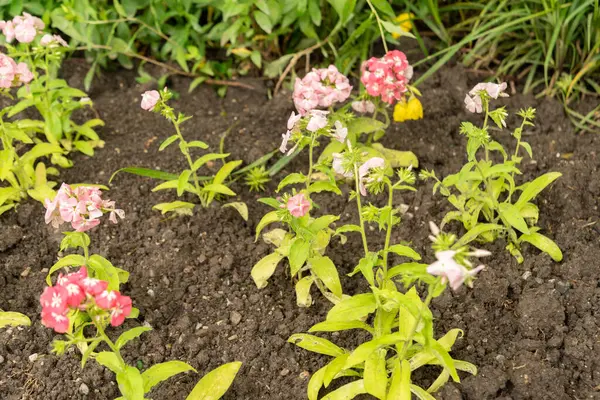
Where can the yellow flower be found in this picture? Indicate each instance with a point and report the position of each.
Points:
(408, 110)
(404, 21)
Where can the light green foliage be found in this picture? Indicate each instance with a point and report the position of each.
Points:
(11, 318)
(206, 188)
(26, 142)
(489, 202)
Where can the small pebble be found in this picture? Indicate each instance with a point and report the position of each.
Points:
(150, 292)
(232, 337)
(1, 359)
(235, 317)
(26, 272)
(33, 357)
(284, 372)
(526, 275)
(84, 389)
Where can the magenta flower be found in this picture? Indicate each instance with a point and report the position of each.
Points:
(77, 291)
(451, 271)
(149, 99)
(363, 171)
(298, 205)
(387, 77)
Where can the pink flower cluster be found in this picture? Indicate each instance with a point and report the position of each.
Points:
(321, 88)
(49, 40)
(22, 27)
(77, 291)
(13, 74)
(387, 77)
(473, 101)
(81, 206)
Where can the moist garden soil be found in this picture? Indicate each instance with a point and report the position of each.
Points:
(531, 328)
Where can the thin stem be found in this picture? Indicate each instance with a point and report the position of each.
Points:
(110, 344)
(186, 153)
(405, 345)
(379, 24)
(388, 234)
(310, 161)
(360, 216)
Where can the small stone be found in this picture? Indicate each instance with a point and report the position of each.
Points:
(526, 275)
(232, 337)
(198, 325)
(33, 357)
(84, 389)
(235, 317)
(150, 292)
(1, 359)
(284, 372)
(26, 272)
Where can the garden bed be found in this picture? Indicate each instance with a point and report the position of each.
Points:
(532, 329)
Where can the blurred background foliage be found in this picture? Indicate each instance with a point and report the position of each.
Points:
(547, 47)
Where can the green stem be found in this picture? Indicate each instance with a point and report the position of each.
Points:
(310, 161)
(110, 344)
(379, 24)
(406, 345)
(190, 162)
(360, 216)
(388, 234)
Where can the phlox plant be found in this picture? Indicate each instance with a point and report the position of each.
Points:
(205, 188)
(83, 304)
(400, 323)
(489, 203)
(32, 63)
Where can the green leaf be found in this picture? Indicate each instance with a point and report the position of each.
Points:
(348, 391)
(375, 374)
(420, 393)
(11, 318)
(362, 352)
(264, 269)
(363, 125)
(167, 142)
(298, 255)
(131, 383)
(218, 188)
(322, 222)
(315, 383)
(197, 143)
(404, 251)
(40, 150)
(326, 271)
(444, 358)
(347, 228)
(241, 208)
(384, 7)
(130, 335)
(214, 384)
(334, 326)
(334, 368)
(324, 186)
(291, 179)
(316, 344)
(543, 243)
(263, 21)
(182, 181)
(267, 219)
(473, 233)
(343, 8)
(109, 360)
(303, 298)
(353, 308)
(145, 172)
(206, 158)
(67, 261)
(536, 186)
(400, 386)
(225, 171)
(163, 371)
(178, 207)
(511, 214)
(104, 270)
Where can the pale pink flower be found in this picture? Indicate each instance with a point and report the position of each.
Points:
(25, 75)
(35, 21)
(48, 40)
(298, 205)
(284, 142)
(363, 171)
(494, 90)
(52, 213)
(451, 271)
(113, 215)
(292, 120)
(363, 106)
(473, 104)
(339, 132)
(318, 120)
(25, 32)
(81, 224)
(8, 29)
(320, 88)
(337, 165)
(149, 99)
(7, 71)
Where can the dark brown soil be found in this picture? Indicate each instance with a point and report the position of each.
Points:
(533, 329)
